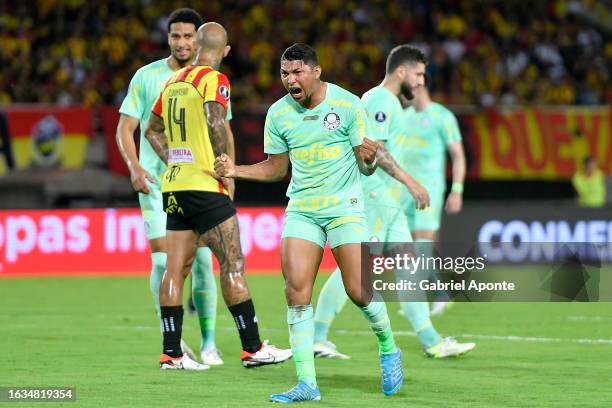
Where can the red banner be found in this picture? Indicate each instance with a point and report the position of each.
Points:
(538, 143)
(47, 136)
(113, 241)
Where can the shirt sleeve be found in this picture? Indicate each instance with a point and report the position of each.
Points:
(218, 90)
(379, 117)
(358, 123)
(450, 128)
(133, 103)
(157, 106)
(229, 115)
(274, 142)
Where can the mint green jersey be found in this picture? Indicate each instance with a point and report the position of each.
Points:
(325, 179)
(427, 135)
(144, 89)
(386, 123)
(142, 93)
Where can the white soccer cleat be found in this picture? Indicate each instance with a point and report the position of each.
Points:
(187, 350)
(449, 347)
(327, 349)
(180, 363)
(267, 354)
(211, 356)
(437, 308)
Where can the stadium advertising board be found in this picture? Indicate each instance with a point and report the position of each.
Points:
(47, 136)
(518, 252)
(113, 241)
(537, 143)
(531, 232)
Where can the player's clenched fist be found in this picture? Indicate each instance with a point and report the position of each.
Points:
(367, 150)
(224, 166)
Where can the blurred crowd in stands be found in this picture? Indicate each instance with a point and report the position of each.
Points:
(483, 53)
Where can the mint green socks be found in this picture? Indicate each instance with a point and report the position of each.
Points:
(418, 312)
(331, 301)
(376, 313)
(158, 259)
(301, 332)
(204, 293)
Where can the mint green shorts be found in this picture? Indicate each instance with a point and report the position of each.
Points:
(153, 215)
(428, 219)
(387, 224)
(349, 229)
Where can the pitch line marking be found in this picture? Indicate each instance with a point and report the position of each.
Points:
(402, 333)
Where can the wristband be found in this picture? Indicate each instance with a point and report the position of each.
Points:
(457, 187)
(371, 165)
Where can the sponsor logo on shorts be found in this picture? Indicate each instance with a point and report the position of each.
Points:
(172, 205)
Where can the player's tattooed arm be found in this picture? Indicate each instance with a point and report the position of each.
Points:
(221, 138)
(215, 120)
(156, 137)
(387, 162)
(389, 165)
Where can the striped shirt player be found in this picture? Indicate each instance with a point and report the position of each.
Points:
(188, 187)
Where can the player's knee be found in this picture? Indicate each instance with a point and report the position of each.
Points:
(297, 293)
(233, 281)
(359, 295)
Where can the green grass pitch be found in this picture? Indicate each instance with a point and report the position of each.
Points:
(101, 336)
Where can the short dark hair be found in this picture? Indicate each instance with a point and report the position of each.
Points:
(303, 52)
(404, 54)
(185, 15)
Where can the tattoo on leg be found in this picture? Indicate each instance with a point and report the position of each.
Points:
(224, 242)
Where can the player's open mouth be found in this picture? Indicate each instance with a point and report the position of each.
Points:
(295, 92)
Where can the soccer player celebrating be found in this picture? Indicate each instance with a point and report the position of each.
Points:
(321, 129)
(145, 173)
(387, 219)
(192, 109)
(431, 131)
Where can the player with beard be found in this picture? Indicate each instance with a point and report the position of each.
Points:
(186, 130)
(146, 170)
(386, 216)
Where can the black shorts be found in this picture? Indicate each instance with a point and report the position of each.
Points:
(196, 210)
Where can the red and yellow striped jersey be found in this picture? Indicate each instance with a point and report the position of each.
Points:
(181, 105)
